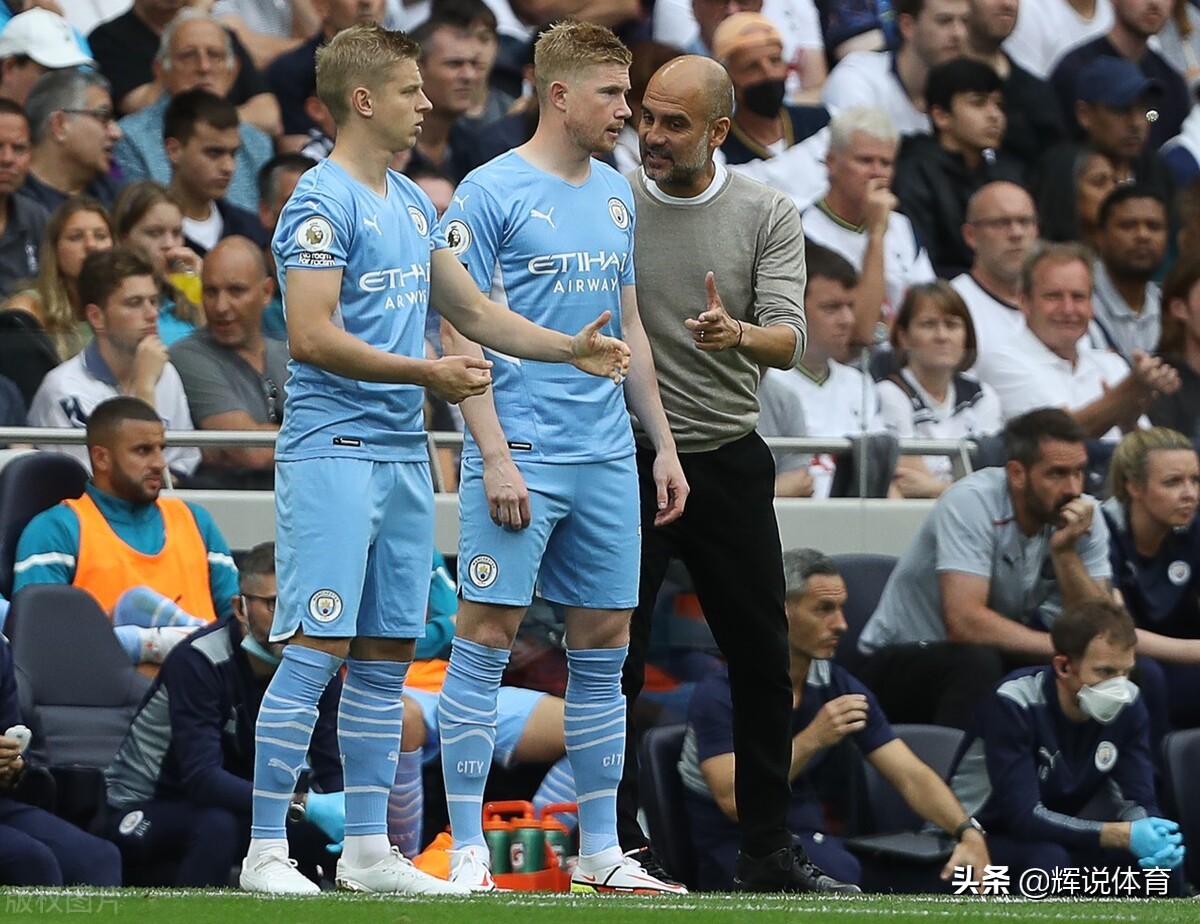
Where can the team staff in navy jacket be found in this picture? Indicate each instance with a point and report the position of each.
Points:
(1056, 763)
(179, 789)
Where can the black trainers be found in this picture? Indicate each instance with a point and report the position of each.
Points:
(787, 870)
(652, 863)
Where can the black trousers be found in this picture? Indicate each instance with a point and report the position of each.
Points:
(937, 683)
(728, 538)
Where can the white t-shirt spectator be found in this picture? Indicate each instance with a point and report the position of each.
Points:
(905, 262)
(844, 403)
(970, 409)
(799, 172)
(1027, 375)
(1047, 29)
(993, 319)
(868, 78)
(797, 22)
(70, 392)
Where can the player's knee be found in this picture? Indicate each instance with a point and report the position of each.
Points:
(382, 649)
(412, 735)
(492, 634)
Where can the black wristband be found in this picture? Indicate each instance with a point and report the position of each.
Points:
(967, 826)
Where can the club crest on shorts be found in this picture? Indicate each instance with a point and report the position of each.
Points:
(458, 237)
(325, 606)
(483, 570)
(1106, 756)
(419, 219)
(618, 213)
(314, 235)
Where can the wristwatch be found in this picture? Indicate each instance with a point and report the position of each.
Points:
(966, 826)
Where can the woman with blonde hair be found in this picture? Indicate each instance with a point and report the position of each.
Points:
(149, 216)
(78, 227)
(929, 397)
(1154, 545)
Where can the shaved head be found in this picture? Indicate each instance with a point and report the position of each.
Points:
(701, 81)
(238, 246)
(686, 114)
(998, 195)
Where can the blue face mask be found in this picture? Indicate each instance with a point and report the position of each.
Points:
(253, 646)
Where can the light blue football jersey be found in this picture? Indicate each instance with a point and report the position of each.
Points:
(382, 244)
(559, 255)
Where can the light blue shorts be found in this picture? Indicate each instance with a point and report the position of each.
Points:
(354, 539)
(514, 706)
(582, 547)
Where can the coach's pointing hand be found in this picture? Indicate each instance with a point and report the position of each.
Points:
(714, 330)
(453, 378)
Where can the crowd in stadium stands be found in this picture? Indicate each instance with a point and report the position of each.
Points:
(1000, 202)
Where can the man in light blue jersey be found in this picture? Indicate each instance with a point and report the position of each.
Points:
(360, 256)
(549, 492)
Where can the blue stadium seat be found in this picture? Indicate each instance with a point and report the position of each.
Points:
(865, 574)
(30, 484)
(898, 845)
(662, 800)
(78, 691)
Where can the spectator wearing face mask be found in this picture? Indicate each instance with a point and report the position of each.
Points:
(751, 50)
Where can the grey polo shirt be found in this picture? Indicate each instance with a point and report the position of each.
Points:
(1116, 326)
(218, 381)
(973, 530)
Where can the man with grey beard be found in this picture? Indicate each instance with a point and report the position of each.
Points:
(720, 271)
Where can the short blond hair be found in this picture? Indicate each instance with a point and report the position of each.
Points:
(567, 48)
(360, 56)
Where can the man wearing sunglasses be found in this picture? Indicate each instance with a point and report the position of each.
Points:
(232, 374)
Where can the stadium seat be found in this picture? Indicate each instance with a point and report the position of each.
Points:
(662, 800)
(1181, 756)
(77, 687)
(865, 574)
(30, 484)
(26, 352)
(897, 828)
(874, 454)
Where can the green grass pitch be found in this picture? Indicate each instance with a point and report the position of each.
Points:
(219, 907)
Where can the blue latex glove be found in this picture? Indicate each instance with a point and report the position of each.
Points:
(327, 810)
(1170, 857)
(1149, 837)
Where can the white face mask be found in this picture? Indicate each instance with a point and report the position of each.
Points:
(1104, 701)
(253, 646)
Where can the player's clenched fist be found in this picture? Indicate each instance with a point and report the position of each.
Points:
(453, 378)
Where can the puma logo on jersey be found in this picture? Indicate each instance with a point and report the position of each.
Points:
(462, 200)
(373, 222)
(293, 772)
(547, 217)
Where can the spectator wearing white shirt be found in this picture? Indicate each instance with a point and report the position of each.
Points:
(857, 219)
(830, 398)
(933, 341)
(1047, 29)
(690, 25)
(931, 31)
(1001, 228)
(119, 291)
(1043, 365)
